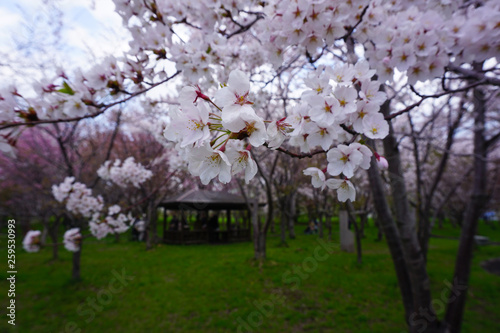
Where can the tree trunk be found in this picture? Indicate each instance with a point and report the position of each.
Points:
(45, 231)
(283, 224)
(329, 226)
(260, 246)
(424, 231)
(363, 221)
(357, 231)
(259, 234)
(75, 273)
(53, 239)
(380, 234)
(320, 225)
(456, 300)
(405, 220)
(388, 225)
(292, 213)
(151, 228)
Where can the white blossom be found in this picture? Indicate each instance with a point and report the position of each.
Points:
(345, 189)
(344, 159)
(317, 177)
(72, 239)
(31, 242)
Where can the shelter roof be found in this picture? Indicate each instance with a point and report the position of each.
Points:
(205, 200)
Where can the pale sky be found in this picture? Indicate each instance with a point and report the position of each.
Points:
(90, 30)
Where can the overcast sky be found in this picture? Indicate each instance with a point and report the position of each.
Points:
(90, 29)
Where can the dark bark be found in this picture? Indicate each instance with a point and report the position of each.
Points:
(328, 221)
(388, 225)
(363, 220)
(260, 250)
(75, 272)
(292, 213)
(322, 213)
(320, 225)
(478, 198)
(53, 239)
(258, 230)
(152, 226)
(405, 220)
(424, 231)
(283, 223)
(380, 234)
(357, 230)
(259, 234)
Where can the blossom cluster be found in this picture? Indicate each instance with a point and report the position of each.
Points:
(72, 239)
(420, 38)
(193, 125)
(204, 39)
(124, 174)
(80, 202)
(415, 37)
(307, 25)
(476, 33)
(341, 105)
(413, 41)
(340, 96)
(114, 223)
(78, 198)
(31, 242)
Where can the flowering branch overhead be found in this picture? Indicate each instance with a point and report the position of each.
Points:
(275, 42)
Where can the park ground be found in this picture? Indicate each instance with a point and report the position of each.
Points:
(219, 288)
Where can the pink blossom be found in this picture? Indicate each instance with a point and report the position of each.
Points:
(31, 242)
(72, 239)
(317, 177)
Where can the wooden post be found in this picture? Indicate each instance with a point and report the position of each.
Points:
(346, 235)
(181, 225)
(228, 224)
(164, 224)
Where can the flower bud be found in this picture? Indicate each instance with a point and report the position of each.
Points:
(381, 161)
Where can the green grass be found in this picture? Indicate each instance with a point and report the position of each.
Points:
(208, 288)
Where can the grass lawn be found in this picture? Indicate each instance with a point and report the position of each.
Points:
(219, 288)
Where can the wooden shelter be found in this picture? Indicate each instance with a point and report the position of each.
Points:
(205, 206)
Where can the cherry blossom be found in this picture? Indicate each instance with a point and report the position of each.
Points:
(345, 189)
(140, 226)
(78, 198)
(318, 177)
(376, 127)
(208, 163)
(72, 239)
(366, 155)
(123, 174)
(209, 43)
(344, 159)
(241, 160)
(277, 132)
(254, 129)
(233, 99)
(325, 110)
(31, 242)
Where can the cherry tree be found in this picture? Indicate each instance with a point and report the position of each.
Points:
(340, 60)
(84, 207)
